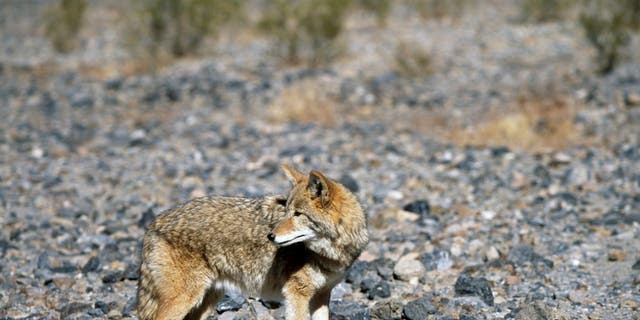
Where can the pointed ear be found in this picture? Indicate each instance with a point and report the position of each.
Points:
(320, 187)
(292, 174)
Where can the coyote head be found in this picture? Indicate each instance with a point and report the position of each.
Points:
(315, 209)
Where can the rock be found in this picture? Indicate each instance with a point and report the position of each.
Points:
(355, 273)
(43, 261)
(92, 265)
(436, 260)
(521, 254)
(380, 290)
(632, 99)
(132, 272)
(147, 216)
(616, 254)
(129, 308)
(420, 207)
(419, 309)
(408, 267)
(72, 308)
(492, 253)
(349, 182)
(467, 285)
(386, 309)
(539, 311)
(105, 307)
(231, 301)
(348, 310)
(636, 265)
(112, 277)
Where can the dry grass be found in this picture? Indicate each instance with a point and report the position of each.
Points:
(530, 124)
(304, 101)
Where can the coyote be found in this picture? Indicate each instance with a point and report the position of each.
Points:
(295, 248)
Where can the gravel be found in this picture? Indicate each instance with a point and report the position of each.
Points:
(458, 231)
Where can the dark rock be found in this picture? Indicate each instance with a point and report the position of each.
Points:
(467, 285)
(147, 216)
(132, 272)
(348, 310)
(230, 302)
(112, 277)
(436, 260)
(636, 266)
(130, 307)
(102, 306)
(384, 267)
(73, 307)
(521, 254)
(386, 309)
(113, 84)
(355, 273)
(43, 261)
(419, 309)
(66, 267)
(421, 207)
(542, 175)
(92, 265)
(349, 182)
(81, 100)
(380, 290)
(499, 151)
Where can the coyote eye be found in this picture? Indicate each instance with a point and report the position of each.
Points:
(297, 214)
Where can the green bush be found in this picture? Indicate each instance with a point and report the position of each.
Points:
(412, 61)
(544, 10)
(438, 9)
(178, 27)
(380, 8)
(608, 26)
(305, 29)
(63, 22)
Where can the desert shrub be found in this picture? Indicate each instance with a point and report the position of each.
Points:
(380, 8)
(608, 26)
(178, 27)
(438, 9)
(63, 21)
(544, 10)
(412, 61)
(305, 29)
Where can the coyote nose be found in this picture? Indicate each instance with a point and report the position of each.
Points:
(271, 236)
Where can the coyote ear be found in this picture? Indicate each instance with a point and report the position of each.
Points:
(319, 187)
(292, 174)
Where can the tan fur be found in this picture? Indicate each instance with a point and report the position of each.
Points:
(195, 251)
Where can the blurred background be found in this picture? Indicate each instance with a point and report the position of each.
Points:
(467, 128)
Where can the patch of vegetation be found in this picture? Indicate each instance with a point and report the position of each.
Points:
(63, 21)
(609, 26)
(544, 10)
(178, 27)
(438, 9)
(412, 61)
(380, 8)
(305, 30)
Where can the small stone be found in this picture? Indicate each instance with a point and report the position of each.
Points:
(408, 267)
(420, 207)
(349, 182)
(387, 309)
(348, 310)
(419, 309)
(43, 261)
(492, 253)
(73, 307)
(632, 99)
(539, 311)
(92, 265)
(112, 277)
(102, 306)
(129, 308)
(488, 214)
(467, 285)
(147, 217)
(521, 254)
(231, 301)
(437, 260)
(636, 265)
(355, 272)
(380, 290)
(616, 254)
(633, 305)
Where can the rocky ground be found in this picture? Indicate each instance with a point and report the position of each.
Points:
(463, 226)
